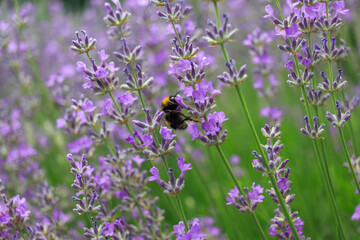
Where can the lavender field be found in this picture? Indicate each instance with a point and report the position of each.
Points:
(179, 119)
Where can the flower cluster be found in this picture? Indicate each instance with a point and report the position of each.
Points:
(14, 215)
(314, 132)
(220, 35)
(202, 96)
(85, 185)
(193, 233)
(233, 77)
(274, 164)
(247, 203)
(174, 186)
(339, 119)
(100, 78)
(212, 132)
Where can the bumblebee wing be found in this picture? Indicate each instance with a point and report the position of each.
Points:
(176, 120)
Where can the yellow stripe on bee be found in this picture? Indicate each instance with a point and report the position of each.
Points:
(168, 123)
(165, 101)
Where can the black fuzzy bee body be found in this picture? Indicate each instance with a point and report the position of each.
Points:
(173, 117)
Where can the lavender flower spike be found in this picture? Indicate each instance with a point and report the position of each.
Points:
(83, 45)
(220, 35)
(339, 119)
(212, 127)
(167, 144)
(273, 132)
(314, 133)
(174, 186)
(233, 77)
(151, 123)
(248, 203)
(117, 18)
(193, 233)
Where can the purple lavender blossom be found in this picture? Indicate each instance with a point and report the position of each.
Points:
(339, 119)
(247, 203)
(174, 186)
(356, 214)
(194, 232)
(212, 127)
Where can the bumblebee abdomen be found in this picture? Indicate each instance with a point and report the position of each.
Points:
(176, 120)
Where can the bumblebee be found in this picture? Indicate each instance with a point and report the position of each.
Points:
(173, 117)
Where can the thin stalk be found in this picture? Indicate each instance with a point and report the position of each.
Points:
(348, 158)
(16, 6)
(343, 142)
(137, 86)
(115, 102)
(214, 165)
(279, 7)
(331, 74)
(271, 176)
(330, 189)
(182, 212)
(331, 78)
(257, 223)
(322, 160)
(177, 34)
(87, 202)
(325, 163)
(24, 236)
(226, 56)
(353, 139)
(310, 50)
(321, 155)
(230, 171)
(216, 14)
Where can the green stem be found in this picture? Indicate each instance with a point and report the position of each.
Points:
(271, 176)
(182, 212)
(322, 161)
(216, 14)
(157, 142)
(279, 7)
(258, 225)
(24, 236)
(312, 67)
(177, 34)
(230, 171)
(119, 110)
(328, 184)
(331, 78)
(353, 139)
(87, 202)
(17, 10)
(226, 56)
(349, 159)
(137, 86)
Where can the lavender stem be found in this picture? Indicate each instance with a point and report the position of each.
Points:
(348, 158)
(182, 213)
(322, 160)
(177, 34)
(228, 167)
(272, 178)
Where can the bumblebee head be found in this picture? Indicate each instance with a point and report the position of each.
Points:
(169, 103)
